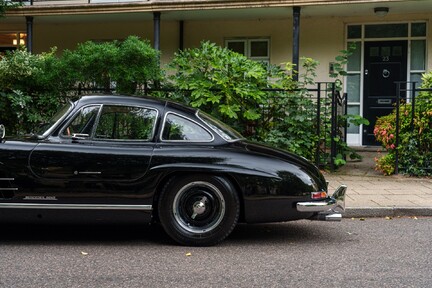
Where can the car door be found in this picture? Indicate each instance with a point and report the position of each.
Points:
(101, 155)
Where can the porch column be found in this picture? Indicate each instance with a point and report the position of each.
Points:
(296, 40)
(29, 22)
(181, 35)
(156, 30)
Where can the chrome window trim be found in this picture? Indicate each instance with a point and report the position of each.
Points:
(127, 140)
(74, 206)
(63, 136)
(184, 141)
(215, 131)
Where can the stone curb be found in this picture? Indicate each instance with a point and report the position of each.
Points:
(351, 212)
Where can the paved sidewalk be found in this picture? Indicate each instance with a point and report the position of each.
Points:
(371, 194)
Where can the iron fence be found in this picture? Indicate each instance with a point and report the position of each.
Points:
(408, 95)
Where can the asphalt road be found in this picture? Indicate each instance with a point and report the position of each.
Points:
(352, 253)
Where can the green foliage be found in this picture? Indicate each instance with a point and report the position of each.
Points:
(128, 64)
(223, 83)
(342, 121)
(415, 143)
(33, 86)
(29, 89)
(6, 5)
(289, 118)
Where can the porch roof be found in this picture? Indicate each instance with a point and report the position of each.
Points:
(96, 10)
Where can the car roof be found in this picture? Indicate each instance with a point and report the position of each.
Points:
(134, 100)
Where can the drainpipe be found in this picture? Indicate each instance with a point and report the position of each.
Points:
(296, 40)
(29, 22)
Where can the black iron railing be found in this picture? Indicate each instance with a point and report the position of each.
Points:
(408, 94)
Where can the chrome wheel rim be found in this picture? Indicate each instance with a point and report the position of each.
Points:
(199, 207)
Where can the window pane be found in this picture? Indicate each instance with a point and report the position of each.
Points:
(83, 122)
(354, 60)
(237, 46)
(353, 88)
(126, 123)
(416, 77)
(8, 39)
(418, 54)
(386, 31)
(259, 49)
(177, 128)
(353, 110)
(418, 29)
(354, 31)
(386, 51)
(397, 51)
(374, 52)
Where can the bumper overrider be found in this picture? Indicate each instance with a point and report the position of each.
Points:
(329, 209)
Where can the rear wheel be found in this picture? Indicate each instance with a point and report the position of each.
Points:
(198, 210)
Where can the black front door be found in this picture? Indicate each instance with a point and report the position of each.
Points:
(385, 64)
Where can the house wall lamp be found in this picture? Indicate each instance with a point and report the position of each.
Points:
(381, 11)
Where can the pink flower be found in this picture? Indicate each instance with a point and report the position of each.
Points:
(392, 146)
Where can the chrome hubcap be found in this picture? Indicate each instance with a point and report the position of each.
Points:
(199, 207)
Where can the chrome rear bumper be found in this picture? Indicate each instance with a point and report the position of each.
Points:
(329, 209)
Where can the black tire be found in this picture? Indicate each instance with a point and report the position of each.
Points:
(198, 210)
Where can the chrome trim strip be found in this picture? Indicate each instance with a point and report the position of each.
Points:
(7, 179)
(75, 206)
(8, 189)
(87, 173)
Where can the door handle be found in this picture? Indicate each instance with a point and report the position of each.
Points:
(366, 72)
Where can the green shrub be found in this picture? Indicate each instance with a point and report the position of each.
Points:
(222, 82)
(415, 137)
(129, 65)
(29, 89)
(33, 86)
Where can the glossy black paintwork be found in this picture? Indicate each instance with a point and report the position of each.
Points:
(269, 181)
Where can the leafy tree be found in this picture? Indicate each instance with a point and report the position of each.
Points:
(222, 82)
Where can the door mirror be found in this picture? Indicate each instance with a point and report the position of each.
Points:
(2, 132)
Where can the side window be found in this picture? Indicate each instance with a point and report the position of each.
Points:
(177, 128)
(83, 122)
(126, 123)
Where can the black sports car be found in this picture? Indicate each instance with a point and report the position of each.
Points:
(163, 161)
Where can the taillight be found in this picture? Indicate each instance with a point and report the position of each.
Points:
(318, 195)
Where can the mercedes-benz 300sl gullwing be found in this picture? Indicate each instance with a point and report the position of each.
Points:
(165, 162)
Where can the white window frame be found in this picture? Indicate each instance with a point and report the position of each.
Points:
(247, 44)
